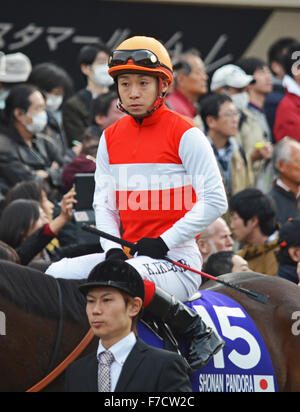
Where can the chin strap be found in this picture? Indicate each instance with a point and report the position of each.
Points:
(157, 104)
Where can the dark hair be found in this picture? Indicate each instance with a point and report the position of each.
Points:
(181, 64)
(251, 203)
(90, 140)
(102, 104)
(289, 59)
(48, 76)
(18, 98)
(283, 257)
(211, 104)
(16, 221)
(88, 54)
(219, 263)
(251, 64)
(93, 132)
(137, 317)
(8, 253)
(31, 190)
(279, 48)
(289, 236)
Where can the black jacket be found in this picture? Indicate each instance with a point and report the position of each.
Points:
(18, 162)
(286, 204)
(77, 115)
(38, 241)
(147, 369)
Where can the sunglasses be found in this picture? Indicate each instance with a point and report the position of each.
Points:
(144, 58)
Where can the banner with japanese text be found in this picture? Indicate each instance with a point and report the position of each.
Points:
(46, 31)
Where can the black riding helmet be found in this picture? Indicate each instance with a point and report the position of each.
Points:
(116, 274)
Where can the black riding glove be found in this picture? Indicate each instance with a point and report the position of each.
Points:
(154, 248)
(117, 254)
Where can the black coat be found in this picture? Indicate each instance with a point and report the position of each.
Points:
(147, 369)
(18, 162)
(77, 115)
(38, 241)
(286, 204)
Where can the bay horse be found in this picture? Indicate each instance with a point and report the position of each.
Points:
(29, 304)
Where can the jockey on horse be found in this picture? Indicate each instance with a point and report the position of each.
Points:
(158, 179)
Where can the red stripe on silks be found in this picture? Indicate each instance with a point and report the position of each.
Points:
(150, 213)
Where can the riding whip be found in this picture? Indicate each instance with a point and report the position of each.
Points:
(259, 297)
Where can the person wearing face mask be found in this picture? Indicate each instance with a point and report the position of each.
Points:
(26, 153)
(233, 81)
(93, 63)
(56, 85)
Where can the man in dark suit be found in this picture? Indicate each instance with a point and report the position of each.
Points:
(115, 296)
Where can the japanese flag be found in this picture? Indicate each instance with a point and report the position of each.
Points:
(264, 383)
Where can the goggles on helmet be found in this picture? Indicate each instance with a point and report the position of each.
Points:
(143, 58)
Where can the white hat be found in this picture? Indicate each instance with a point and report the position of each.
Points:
(232, 76)
(15, 68)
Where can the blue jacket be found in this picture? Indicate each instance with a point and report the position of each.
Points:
(288, 272)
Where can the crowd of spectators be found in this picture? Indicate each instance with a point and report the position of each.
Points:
(249, 111)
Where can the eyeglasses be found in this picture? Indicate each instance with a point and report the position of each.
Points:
(144, 58)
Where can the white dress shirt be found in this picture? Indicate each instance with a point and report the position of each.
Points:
(120, 350)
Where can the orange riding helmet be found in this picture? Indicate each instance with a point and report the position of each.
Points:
(141, 54)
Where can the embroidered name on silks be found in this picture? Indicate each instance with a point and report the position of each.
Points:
(244, 364)
(161, 267)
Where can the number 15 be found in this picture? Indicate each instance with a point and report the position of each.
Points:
(232, 333)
